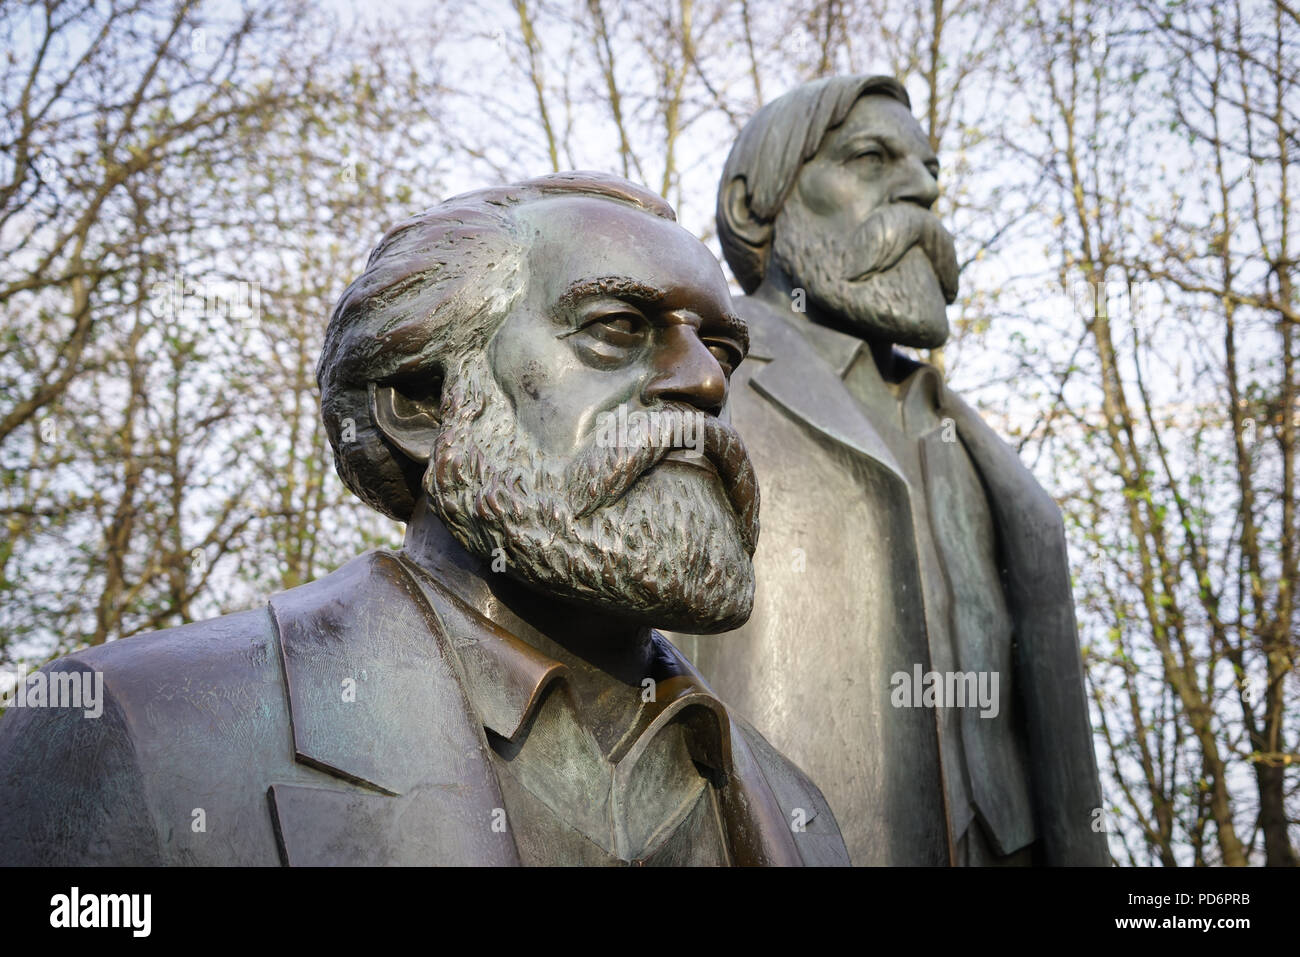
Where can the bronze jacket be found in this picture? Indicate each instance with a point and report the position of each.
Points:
(839, 608)
(236, 741)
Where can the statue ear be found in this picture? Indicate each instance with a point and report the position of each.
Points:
(740, 218)
(410, 424)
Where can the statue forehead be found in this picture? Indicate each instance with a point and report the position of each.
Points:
(575, 237)
(878, 115)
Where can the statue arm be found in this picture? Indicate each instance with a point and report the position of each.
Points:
(1049, 666)
(1063, 764)
(71, 788)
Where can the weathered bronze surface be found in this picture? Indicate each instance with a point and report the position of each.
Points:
(901, 535)
(492, 693)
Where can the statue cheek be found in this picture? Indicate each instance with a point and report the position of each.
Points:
(536, 394)
(829, 190)
(533, 380)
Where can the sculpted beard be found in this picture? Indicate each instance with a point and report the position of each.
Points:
(667, 545)
(892, 278)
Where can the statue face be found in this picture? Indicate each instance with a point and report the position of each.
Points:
(624, 314)
(857, 233)
(622, 308)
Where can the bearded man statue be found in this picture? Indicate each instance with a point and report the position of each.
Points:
(913, 641)
(494, 692)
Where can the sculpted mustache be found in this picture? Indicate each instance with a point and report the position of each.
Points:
(881, 241)
(601, 476)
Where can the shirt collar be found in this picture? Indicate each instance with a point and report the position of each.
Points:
(922, 394)
(922, 389)
(841, 351)
(506, 679)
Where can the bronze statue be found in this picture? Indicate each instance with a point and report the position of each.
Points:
(913, 643)
(492, 693)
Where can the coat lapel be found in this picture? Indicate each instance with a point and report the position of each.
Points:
(376, 701)
(801, 382)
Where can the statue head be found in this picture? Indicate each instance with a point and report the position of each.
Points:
(829, 189)
(544, 365)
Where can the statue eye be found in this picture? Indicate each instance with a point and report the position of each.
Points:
(871, 156)
(625, 329)
(610, 334)
(621, 328)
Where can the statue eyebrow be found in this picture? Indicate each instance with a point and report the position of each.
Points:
(893, 145)
(623, 287)
(859, 140)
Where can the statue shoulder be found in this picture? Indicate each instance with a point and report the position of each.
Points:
(1010, 483)
(241, 641)
(74, 745)
(207, 701)
(164, 668)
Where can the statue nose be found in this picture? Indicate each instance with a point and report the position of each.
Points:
(918, 186)
(686, 371)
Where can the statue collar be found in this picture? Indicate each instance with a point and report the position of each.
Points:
(506, 679)
(803, 375)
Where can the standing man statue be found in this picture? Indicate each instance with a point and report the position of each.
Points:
(492, 693)
(913, 643)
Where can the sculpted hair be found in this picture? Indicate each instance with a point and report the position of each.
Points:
(772, 149)
(433, 293)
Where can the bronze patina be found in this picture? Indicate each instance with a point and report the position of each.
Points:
(494, 692)
(913, 642)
